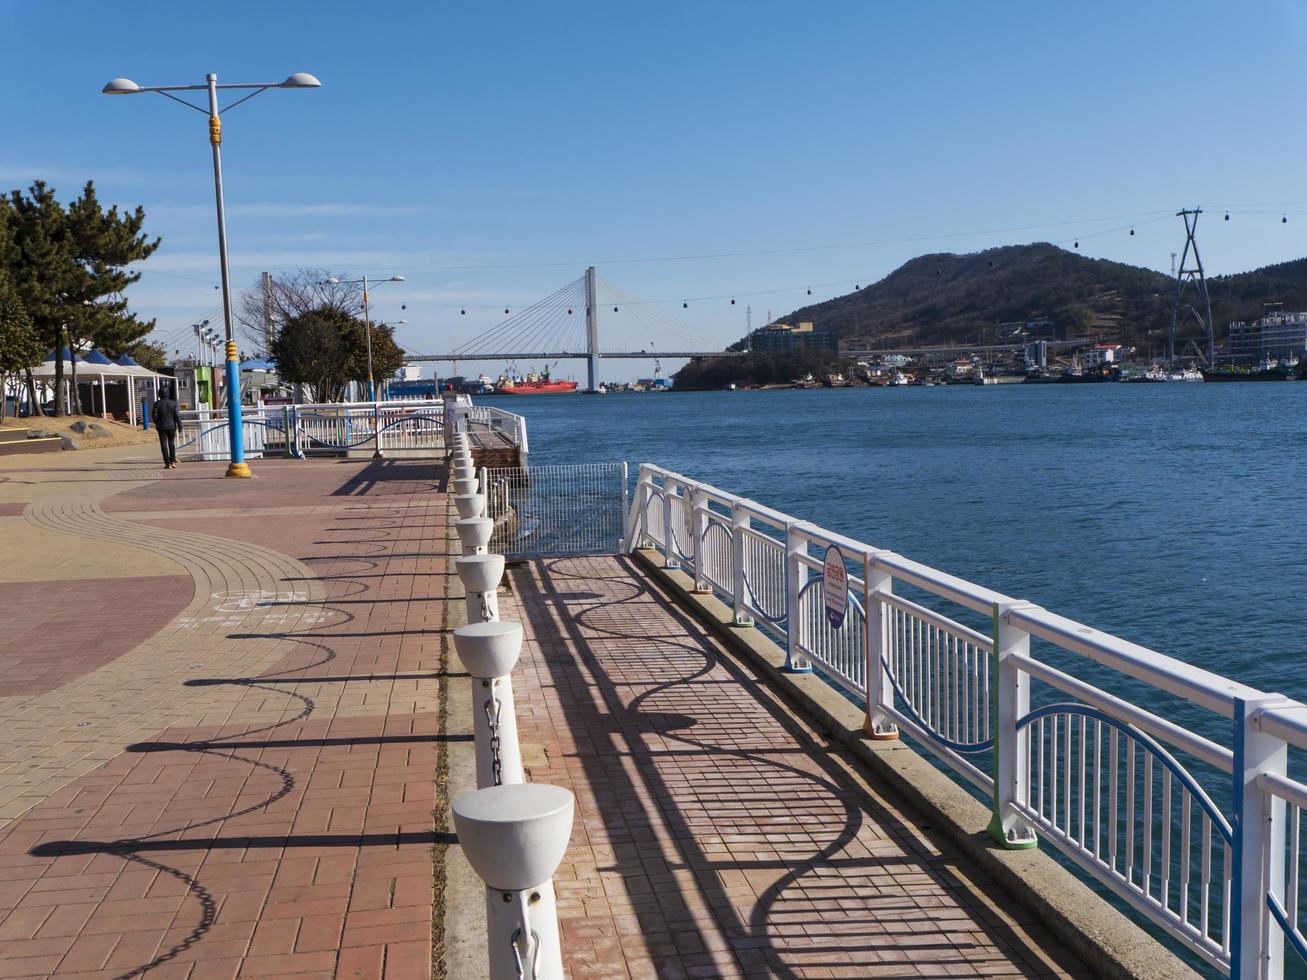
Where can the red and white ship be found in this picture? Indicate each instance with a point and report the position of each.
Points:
(534, 384)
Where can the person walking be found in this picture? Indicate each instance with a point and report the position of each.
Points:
(168, 423)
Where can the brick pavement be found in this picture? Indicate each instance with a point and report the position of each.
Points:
(248, 789)
(716, 833)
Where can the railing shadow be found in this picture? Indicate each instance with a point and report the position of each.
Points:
(737, 773)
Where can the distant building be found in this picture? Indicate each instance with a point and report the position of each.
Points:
(1036, 355)
(1277, 335)
(784, 338)
(1100, 355)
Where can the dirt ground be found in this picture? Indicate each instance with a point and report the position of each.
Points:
(119, 434)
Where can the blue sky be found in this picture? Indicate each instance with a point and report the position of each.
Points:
(488, 152)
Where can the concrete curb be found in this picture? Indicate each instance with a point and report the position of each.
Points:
(465, 895)
(1109, 943)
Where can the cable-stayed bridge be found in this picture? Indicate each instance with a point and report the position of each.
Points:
(565, 326)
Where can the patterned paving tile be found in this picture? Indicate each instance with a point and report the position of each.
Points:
(717, 834)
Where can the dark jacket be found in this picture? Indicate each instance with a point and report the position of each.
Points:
(165, 416)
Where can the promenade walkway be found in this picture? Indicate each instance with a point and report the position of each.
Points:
(224, 720)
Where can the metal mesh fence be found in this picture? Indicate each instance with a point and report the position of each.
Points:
(551, 511)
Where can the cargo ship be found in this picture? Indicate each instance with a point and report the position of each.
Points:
(534, 384)
(1268, 370)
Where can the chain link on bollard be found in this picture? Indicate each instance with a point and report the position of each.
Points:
(517, 955)
(493, 708)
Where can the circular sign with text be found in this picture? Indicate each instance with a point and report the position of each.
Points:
(835, 587)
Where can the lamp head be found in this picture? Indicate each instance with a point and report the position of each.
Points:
(397, 279)
(121, 86)
(301, 79)
(333, 280)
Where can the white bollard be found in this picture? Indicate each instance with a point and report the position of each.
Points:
(480, 575)
(489, 651)
(471, 504)
(515, 837)
(464, 486)
(475, 534)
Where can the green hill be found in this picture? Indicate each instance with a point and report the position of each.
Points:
(965, 300)
(959, 299)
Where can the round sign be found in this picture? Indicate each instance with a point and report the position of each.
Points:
(835, 587)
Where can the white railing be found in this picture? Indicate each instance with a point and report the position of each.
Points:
(512, 427)
(390, 426)
(1202, 838)
(206, 435)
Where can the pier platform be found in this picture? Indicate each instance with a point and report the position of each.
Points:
(233, 734)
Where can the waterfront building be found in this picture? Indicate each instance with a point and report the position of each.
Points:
(1276, 335)
(785, 338)
(1101, 355)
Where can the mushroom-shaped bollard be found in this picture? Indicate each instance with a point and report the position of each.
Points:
(470, 504)
(488, 651)
(480, 575)
(463, 486)
(461, 472)
(514, 837)
(475, 534)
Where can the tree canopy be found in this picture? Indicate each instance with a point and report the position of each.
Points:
(326, 348)
(68, 267)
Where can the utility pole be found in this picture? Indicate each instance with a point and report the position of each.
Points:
(591, 330)
(267, 313)
(1191, 274)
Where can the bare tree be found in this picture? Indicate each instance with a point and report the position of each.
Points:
(262, 313)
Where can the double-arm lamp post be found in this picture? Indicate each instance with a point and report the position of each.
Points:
(125, 86)
(367, 329)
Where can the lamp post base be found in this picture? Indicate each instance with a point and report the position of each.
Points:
(239, 471)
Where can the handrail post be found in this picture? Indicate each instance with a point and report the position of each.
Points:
(880, 693)
(638, 520)
(624, 544)
(795, 573)
(1256, 940)
(740, 522)
(669, 541)
(1010, 702)
(698, 502)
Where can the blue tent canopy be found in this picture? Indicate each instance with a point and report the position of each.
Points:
(258, 365)
(68, 356)
(127, 361)
(95, 357)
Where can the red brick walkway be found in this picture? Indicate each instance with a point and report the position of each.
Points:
(251, 790)
(295, 836)
(716, 833)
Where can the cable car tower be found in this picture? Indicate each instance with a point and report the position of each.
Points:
(1191, 274)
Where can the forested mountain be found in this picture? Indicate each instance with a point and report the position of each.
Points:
(960, 299)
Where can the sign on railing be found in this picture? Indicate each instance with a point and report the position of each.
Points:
(1203, 839)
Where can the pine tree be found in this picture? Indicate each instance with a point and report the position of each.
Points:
(69, 269)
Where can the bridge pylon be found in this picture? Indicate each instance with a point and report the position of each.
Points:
(591, 330)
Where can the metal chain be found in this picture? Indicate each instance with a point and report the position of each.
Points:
(535, 954)
(493, 708)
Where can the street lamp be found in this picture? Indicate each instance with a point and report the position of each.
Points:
(301, 79)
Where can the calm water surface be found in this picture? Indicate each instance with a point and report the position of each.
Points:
(1171, 515)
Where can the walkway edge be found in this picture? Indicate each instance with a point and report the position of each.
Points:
(464, 926)
(1109, 943)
